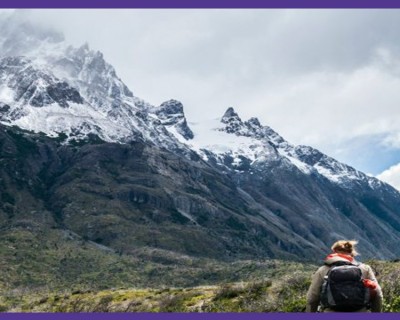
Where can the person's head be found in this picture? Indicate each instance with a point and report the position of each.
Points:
(345, 247)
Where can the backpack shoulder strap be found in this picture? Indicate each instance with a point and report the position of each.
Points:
(340, 263)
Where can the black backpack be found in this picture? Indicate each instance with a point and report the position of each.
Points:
(343, 289)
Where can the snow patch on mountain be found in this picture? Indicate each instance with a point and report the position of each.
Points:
(6, 94)
(303, 167)
(209, 137)
(73, 121)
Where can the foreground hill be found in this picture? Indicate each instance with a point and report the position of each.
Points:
(275, 287)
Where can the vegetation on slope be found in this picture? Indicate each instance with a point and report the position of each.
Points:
(268, 286)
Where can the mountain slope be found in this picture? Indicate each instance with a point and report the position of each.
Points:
(81, 153)
(320, 198)
(127, 196)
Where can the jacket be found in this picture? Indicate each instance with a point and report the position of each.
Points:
(313, 294)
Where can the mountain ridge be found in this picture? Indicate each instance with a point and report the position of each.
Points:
(98, 161)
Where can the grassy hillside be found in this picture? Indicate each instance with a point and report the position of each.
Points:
(284, 293)
(31, 259)
(56, 270)
(50, 269)
(245, 286)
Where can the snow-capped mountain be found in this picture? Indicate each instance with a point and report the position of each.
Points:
(236, 185)
(248, 146)
(53, 88)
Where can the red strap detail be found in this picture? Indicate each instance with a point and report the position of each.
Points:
(344, 256)
(369, 284)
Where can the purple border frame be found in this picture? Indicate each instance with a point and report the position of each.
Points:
(199, 4)
(198, 316)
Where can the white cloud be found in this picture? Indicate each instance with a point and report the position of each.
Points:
(319, 77)
(326, 108)
(391, 176)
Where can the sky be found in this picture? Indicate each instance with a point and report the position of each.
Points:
(325, 78)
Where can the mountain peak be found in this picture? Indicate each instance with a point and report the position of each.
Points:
(171, 107)
(230, 115)
(254, 123)
(232, 121)
(82, 50)
(172, 117)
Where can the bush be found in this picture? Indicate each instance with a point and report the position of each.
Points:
(3, 308)
(171, 303)
(228, 291)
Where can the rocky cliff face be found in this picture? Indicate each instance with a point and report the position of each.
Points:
(80, 152)
(173, 118)
(127, 196)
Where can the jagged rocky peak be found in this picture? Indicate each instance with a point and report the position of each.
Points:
(171, 107)
(230, 116)
(250, 128)
(235, 125)
(96, 79)
(89, 63)
(254, 123)
(232, 121)
(171, 115)
(93, 98)
(82, 50)
(83, 68)
(102, 77)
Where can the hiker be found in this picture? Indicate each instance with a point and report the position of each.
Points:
(344, 285)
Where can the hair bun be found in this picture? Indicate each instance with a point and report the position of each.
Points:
(345, 246)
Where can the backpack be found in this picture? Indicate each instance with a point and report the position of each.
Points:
(343, 288)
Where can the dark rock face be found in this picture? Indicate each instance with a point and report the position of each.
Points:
(251, 128)
(35, 87)
(4, 109)
(129, 196)
(171, 115)
(62, 93)
(170, 107)
(136, 195)
(232, 121)
(308, 155)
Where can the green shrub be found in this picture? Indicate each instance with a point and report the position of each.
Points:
(3, 308)
(171, 303)
(228, 291)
